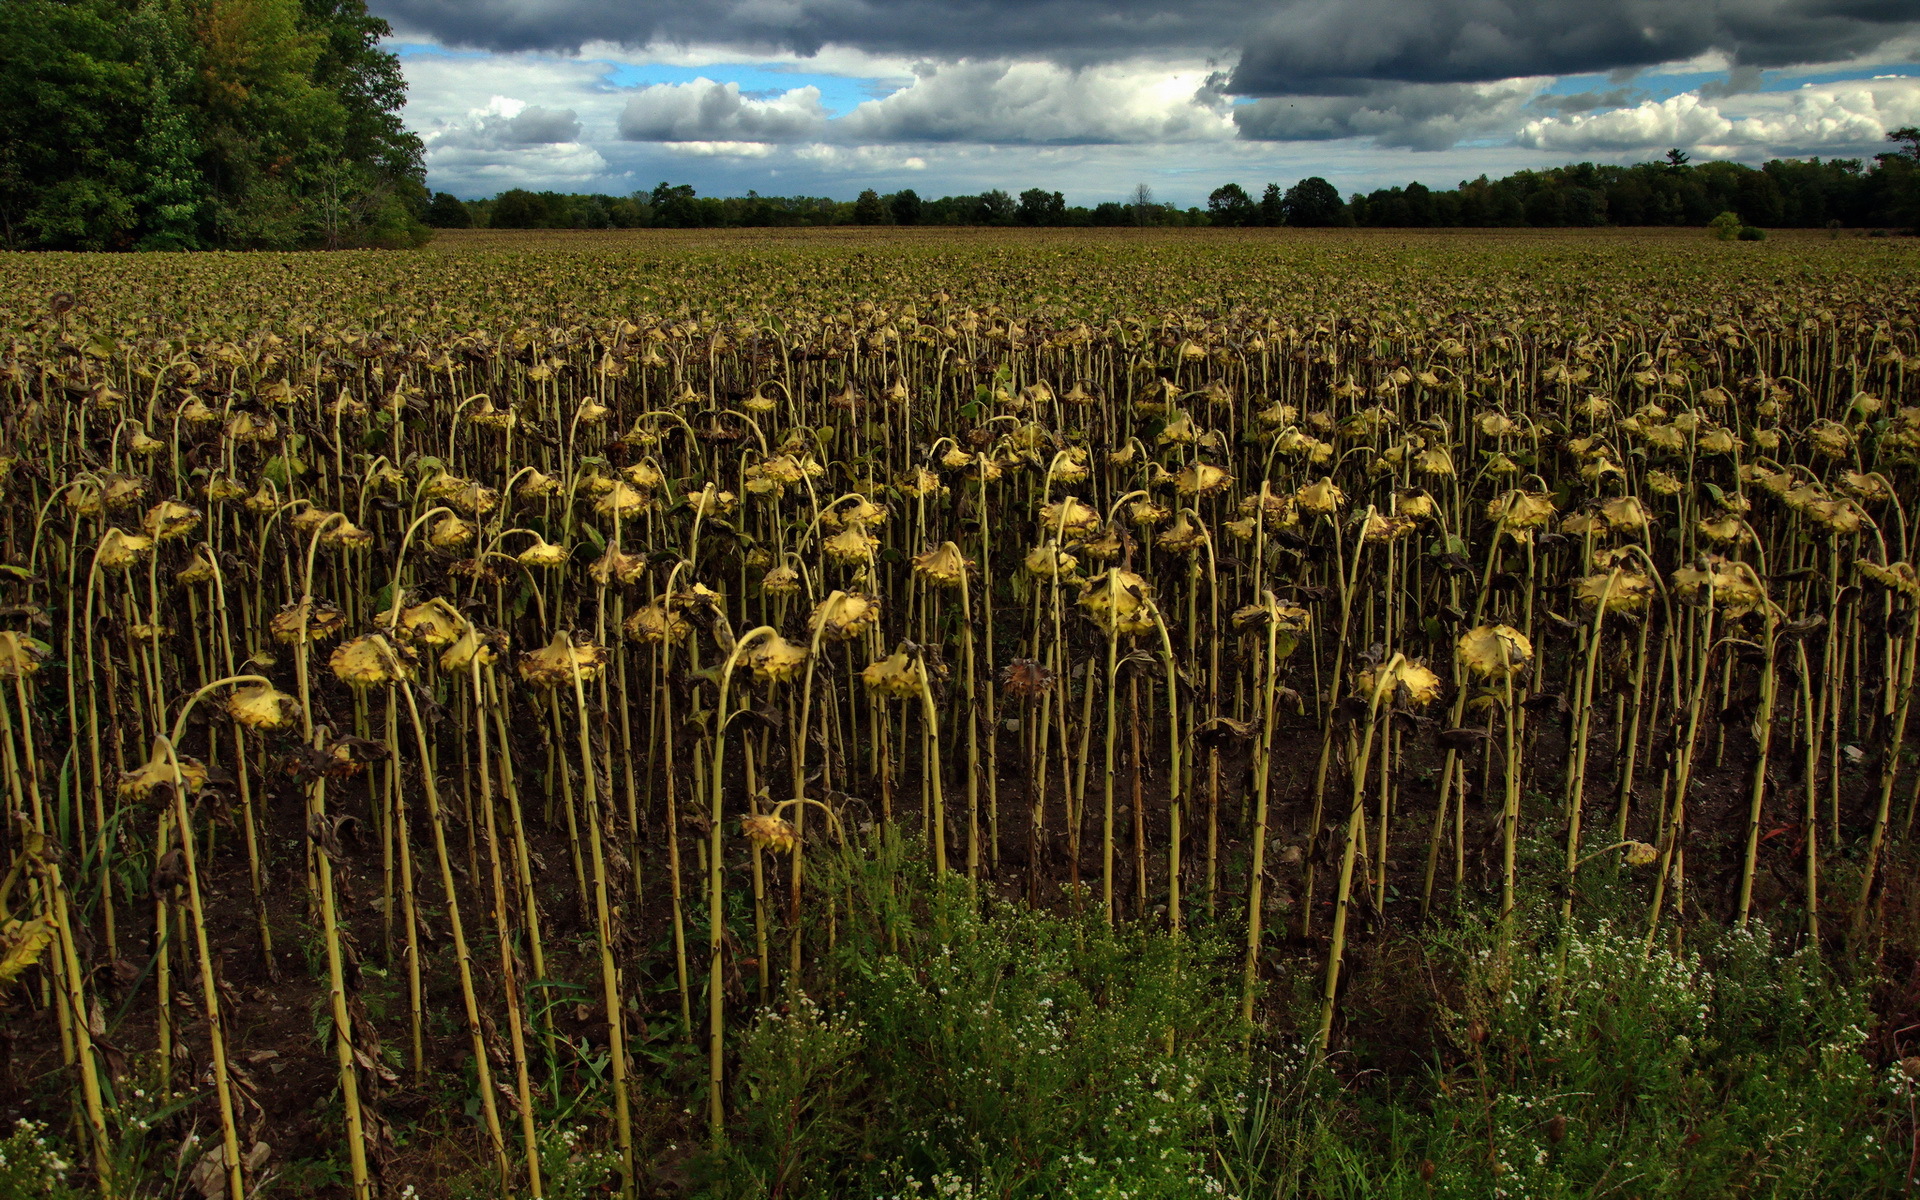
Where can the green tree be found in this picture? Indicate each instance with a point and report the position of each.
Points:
(72, 102)
(993, 208)
(1229, 204)
(1314, 202)
(1041, 207)
(174, 124)
(447, 212)
(905, 206)
(867, 209)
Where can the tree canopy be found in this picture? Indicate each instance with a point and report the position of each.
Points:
(191, 124)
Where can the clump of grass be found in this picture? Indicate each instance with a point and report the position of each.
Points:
(1584, 1064)
(1002, 1051)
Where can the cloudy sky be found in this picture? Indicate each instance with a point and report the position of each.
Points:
(1090, 97)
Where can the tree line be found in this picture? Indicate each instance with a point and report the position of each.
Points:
(203, 124)
(1782, 193)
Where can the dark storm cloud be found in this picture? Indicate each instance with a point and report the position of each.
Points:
(539, 126)
(1335, 46)
(1567, 104)
(1416, 116)
(1320, 47)
(1064, 30)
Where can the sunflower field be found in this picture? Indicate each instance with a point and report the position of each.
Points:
(573, 715)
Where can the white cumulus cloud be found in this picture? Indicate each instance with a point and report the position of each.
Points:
(1040, 102)
(1826, 119)
(705, 111)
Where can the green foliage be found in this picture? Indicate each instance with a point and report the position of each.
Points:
(867, 210)
(1007, 1053)
(1568, 1068)
(1314, 202)
(156, 124)
(1752, 233)
(32, 1164)
(447, 212)
(1725, 226)
(1229, 204)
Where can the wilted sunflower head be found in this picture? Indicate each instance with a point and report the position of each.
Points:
(119, 550)
(772, 833)
(1436, 461)
(1495, 651)
(345, 535)
(158, 772)
(450, 533)
(1624, 513)
(1724, 528)
(1406, 682)
(852, 544)
(1830, 438)
(170, 519)
(433, 623)
(370, 661)
(1201, 479)
(1898, 576)
(1144, 513)
(655, 625)
(644, 475)
(1623, 591)
(1321, 498)
(20, 655)
(474, 499)
(263, 707)
(622, 500)
(1416, 504)
(1025, 679)
(943, 566)
(219, 489)
(194, 411)
(1277, 414)
(1178, 431)
(1640, 854)
(1383, 528)
(1276, 509)
(1070, 467)
(143, 445)
(1837, 516)
(1184, 536)
(1866, 488)
(920, 483)
(1068, 518)
(1049, 561)
(1519, 511)
(843, 616)
(899, 676)
(1730, 585)
(1497, 425)
(542, 554)
(323, 620)
(472, 648)
(780, 581)
(615, 566)
(1119, 601)
(712, 502)
(776, 660)
(557, 663)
